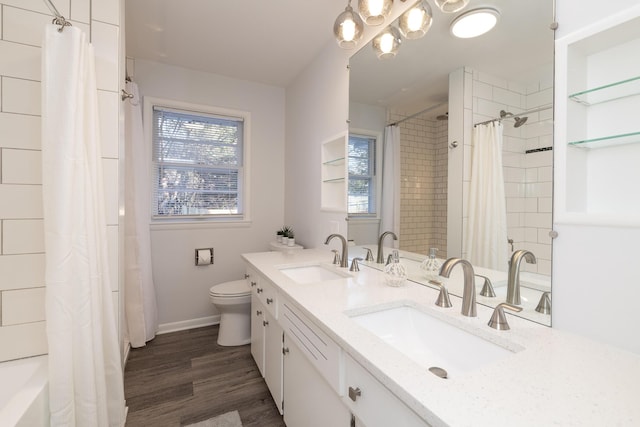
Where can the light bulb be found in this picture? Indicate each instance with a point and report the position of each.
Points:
(348, 30)
(386, 43)
(415, 22)
(375, 7)
(374, 12)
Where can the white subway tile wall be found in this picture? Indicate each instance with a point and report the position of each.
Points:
(423, 200)
(22, 258)
(528, 177)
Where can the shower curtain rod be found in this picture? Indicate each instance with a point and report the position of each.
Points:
(433, 107)
(59, 19)
(535, 110)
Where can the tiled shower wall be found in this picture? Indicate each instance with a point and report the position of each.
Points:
(528, 176)
(423, 200)
(22, 314)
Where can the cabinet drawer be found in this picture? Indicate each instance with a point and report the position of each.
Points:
(321, 350)
(374, 404)
(264, 290)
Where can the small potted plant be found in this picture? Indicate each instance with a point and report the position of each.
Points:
(279, 234)
(285, 234)
(291, 241)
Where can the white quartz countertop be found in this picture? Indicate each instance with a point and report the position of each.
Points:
(555, 378)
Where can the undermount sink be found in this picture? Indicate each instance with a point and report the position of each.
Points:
(431, 342)
(312, 273)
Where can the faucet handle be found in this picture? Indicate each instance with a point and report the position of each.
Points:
(354, 264)
(336, 256)
(487, 288)
(369, 256)
(498, 319)
(389, 259)
(544, 306)
(443, 297)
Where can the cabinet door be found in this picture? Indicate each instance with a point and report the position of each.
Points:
(273, 358)
(309, 401)
(257, 332)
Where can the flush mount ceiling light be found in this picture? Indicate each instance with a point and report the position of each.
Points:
(451, 6)
(386, 44)
(374, 12)
(416, 21)
(348, 28)
(474, 23)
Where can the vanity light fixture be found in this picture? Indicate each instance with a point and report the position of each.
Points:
(386, 44)
(348, 28)
(474, 22)
(374, 12)
(416, 21)
(451, 6)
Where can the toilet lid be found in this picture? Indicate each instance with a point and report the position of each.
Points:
(229, 289)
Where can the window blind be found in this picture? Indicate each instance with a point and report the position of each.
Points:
(197, 162)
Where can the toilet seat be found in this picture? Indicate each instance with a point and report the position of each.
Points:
(237, 288)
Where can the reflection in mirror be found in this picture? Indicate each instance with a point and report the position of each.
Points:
(435, 90)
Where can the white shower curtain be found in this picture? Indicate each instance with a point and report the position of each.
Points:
(486, 241)
(140, 298)
(85, 370)
(390, 206)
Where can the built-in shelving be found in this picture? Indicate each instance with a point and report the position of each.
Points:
(334, 174)
(609, 92)
(597, 126)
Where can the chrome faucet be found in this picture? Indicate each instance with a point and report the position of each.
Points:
(513, 283)
(380, 258)
(344, 261)
(469, 292)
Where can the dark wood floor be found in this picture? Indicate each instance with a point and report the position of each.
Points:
(186, 377)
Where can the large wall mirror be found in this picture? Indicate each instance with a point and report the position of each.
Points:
(436, 89)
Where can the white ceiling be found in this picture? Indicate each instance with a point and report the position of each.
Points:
(272, 41)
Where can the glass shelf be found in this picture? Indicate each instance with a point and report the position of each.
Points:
(610, 92)
(607, 141)
(334, 162)
(334, 180)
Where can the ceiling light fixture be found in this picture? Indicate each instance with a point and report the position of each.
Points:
(386, 44)
(474, 23)
(348, 28)
(416, 21)
(374, 12)
(451, 6)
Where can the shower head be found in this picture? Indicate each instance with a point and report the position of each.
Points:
(519, 121)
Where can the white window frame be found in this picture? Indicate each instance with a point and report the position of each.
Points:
(244, 197)
(376, 176)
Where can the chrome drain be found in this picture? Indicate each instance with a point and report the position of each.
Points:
(438, 372)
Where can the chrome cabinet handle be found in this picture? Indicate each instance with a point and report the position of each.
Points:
(285, 350)
(247, 275)
(253, 284)
(269, 300)
(354, 393)
(259, 290)
(258, 313)
(265, 323)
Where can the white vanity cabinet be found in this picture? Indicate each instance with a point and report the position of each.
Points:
(266, 334)
(597, 149)
(312, 373)
(372, 403)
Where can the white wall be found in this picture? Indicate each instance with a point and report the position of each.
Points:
(595, 272)
(182, 288)
(22, 320)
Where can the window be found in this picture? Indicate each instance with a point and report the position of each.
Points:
(362, 173)
(197, 164)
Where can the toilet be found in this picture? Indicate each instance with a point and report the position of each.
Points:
(233, 301)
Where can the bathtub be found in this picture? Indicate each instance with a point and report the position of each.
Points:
(24, 393)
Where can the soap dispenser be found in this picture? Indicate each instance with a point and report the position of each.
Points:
(431, 266)
(395, 273)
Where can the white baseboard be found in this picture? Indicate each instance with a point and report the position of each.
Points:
(127, 349)
(188, 324)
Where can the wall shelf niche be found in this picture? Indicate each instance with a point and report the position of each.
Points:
(334, 174)
(597, 126)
